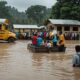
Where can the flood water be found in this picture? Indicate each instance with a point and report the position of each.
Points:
(18, 63)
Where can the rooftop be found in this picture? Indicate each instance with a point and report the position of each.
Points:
(18, 26)
(64, 22)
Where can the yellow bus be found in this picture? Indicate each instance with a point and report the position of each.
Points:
(5, 33)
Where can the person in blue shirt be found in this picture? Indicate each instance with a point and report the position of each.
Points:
(17, 35)
(55, 40)
(76, 58)
(39, 41)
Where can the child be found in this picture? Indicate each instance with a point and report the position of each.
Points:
(76, 58)
(49, 45)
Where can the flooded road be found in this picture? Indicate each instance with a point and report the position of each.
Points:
(18, 63)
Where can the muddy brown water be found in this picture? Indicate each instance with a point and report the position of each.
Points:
(18, 63)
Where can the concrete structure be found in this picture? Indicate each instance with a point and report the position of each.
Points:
(64, 25)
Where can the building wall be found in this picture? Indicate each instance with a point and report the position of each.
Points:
(16, 30)
(25, 30)
(63, 26)
(49, 25)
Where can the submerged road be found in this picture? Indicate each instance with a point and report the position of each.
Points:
(18, 63)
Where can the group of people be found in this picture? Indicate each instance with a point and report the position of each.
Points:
(72, 36)
(54, 39)
(49, 39)
(23, 35)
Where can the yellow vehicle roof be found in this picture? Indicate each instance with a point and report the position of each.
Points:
(4, 21)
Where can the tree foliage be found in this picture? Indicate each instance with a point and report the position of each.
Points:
(36, 13)
(18, 17)
(33, 15)
(66, 9)
(4, 12)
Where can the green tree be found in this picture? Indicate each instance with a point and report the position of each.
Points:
(36, 14)
(18, 17)
(66, 9)
(4, 12)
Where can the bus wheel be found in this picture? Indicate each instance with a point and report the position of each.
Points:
(11, 39)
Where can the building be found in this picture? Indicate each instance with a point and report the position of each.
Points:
(64, 25)
(26, 28)
(26, 31)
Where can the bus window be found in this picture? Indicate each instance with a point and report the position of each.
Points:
(6, 27)
(0, 26)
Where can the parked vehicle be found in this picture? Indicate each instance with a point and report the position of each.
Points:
(5, 33)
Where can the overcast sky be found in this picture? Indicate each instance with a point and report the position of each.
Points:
(22, 5)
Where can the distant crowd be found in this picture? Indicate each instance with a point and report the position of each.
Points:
(72, 36)
(23, 35)
(67, 35)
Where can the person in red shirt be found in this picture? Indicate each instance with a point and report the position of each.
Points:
(34, 39)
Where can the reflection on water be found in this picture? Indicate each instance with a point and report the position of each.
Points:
(76, 73)
(18, 63)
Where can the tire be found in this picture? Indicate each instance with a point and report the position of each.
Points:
(11, 39)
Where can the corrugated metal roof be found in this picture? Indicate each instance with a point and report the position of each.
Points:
(64, 22)
(41, 27)
(2, 21)
(17, 26)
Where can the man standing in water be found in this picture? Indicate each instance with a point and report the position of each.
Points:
(76, 58)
